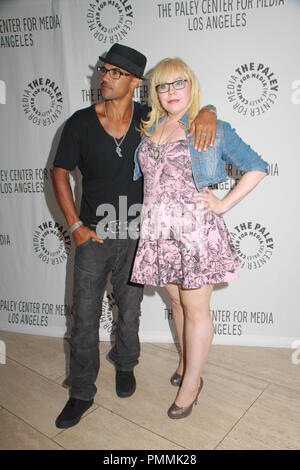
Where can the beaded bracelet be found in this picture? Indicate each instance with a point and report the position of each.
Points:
(75, 226)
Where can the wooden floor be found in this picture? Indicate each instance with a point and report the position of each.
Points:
(250, 400)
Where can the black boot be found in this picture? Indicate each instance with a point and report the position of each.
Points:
(125, 383)
(72, 412)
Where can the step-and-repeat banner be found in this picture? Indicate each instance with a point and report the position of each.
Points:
(246, 56)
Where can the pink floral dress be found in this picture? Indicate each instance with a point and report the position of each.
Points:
(178, 244)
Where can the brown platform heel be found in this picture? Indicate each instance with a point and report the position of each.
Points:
(175, 412)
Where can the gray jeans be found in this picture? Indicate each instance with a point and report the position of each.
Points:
(93, 264)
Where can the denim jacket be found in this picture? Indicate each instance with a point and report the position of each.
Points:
(209, 167)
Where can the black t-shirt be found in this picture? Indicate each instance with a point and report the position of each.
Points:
(105, 176)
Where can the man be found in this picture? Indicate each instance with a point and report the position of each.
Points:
(101, 141)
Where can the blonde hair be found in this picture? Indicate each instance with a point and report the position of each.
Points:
(161, 74)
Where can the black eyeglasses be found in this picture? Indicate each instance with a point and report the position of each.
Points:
(164, 87)
(115, 74)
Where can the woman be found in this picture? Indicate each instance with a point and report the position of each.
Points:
(184, 243)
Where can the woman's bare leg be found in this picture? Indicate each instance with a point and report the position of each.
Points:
(178, 317)
(198, 335)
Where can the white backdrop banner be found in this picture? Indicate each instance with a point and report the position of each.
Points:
(246, 56)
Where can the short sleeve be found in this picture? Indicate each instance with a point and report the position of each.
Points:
(240, 154)
(68, 151)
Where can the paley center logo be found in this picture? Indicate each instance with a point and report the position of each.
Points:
(52, 243)
(109, 20)
(252, 89)
(42, 101)
(253, 243)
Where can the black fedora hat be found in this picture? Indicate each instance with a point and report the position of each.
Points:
(126, 58)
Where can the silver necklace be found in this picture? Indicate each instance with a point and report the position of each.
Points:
(118, 145)
(156, 153)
